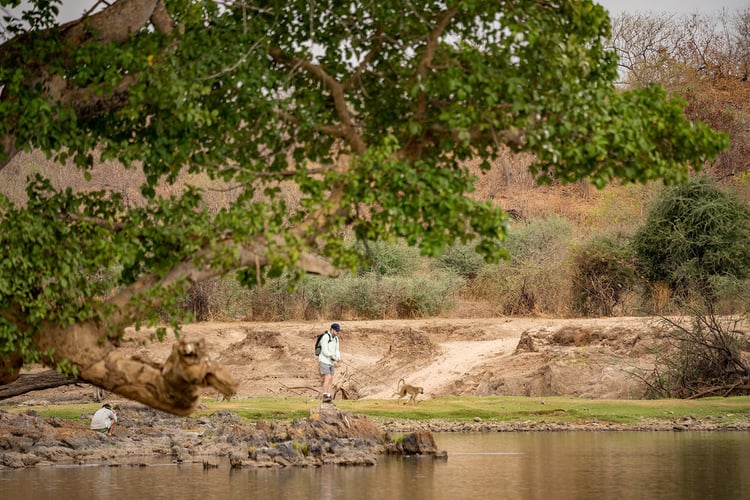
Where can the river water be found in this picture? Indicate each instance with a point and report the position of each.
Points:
(485, 466)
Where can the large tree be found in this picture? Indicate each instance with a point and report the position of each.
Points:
(369, 108)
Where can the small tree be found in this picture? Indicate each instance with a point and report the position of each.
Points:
(693, 233)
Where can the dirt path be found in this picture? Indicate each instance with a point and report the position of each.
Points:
(456, 359)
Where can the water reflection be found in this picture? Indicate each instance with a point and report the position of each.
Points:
(583, 465)
(611, 465)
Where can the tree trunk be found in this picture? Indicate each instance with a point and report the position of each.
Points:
(29, 382)
(173, 386)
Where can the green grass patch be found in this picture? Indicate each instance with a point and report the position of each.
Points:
(264, 408)
(464, 409)
(554, 409)
(65, 411)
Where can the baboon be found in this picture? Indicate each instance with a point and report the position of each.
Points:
(411, 390)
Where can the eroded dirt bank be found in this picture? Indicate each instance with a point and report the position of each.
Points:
(591, 358)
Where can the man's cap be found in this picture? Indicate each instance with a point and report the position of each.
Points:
(107, 406)
(336, 327)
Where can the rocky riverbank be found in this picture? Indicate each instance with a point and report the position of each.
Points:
(144, 436)
(327, 436)
(588, 358)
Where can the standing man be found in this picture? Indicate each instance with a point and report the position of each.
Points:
(104, 420)
(329, 354)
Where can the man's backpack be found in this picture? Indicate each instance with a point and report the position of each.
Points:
(318, 347)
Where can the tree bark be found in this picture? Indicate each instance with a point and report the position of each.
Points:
(173, 386)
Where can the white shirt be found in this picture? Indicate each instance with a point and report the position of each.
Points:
(329, 349)
(103, 419)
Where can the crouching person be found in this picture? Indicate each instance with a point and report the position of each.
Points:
(104, 420)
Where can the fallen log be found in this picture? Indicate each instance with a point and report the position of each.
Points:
(29, 382)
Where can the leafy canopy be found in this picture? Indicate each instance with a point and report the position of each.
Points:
(365, 110)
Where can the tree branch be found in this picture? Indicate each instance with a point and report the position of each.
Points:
(117, 22)
(114, 24)
(338, 94)
(333, 130)
(28, 382)
(173, 386)
(429, 54)
(363, 64)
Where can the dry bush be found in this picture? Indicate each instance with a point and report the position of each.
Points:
(708, 355)
(602, 272)
(661, 297)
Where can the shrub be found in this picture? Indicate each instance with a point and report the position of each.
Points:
(540, 240)
(463, 260)
(363, 296)
(218, 299)
(701, 357)
(602, 271)
(276, 300)
(535, 279)
(429, 295)
(694, 233)
(373, 297)
(390, 258)
(523, 289)
(733, 295)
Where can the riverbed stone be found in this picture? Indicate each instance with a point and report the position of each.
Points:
(420, 443)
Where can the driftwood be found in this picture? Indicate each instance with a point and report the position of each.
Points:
(299, 388)
(736, 389)
(336, 390)
(29, 382)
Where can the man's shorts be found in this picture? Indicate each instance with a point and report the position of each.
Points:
(325, 368)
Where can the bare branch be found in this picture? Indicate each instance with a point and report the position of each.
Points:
(363, 64)
(334, 130)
